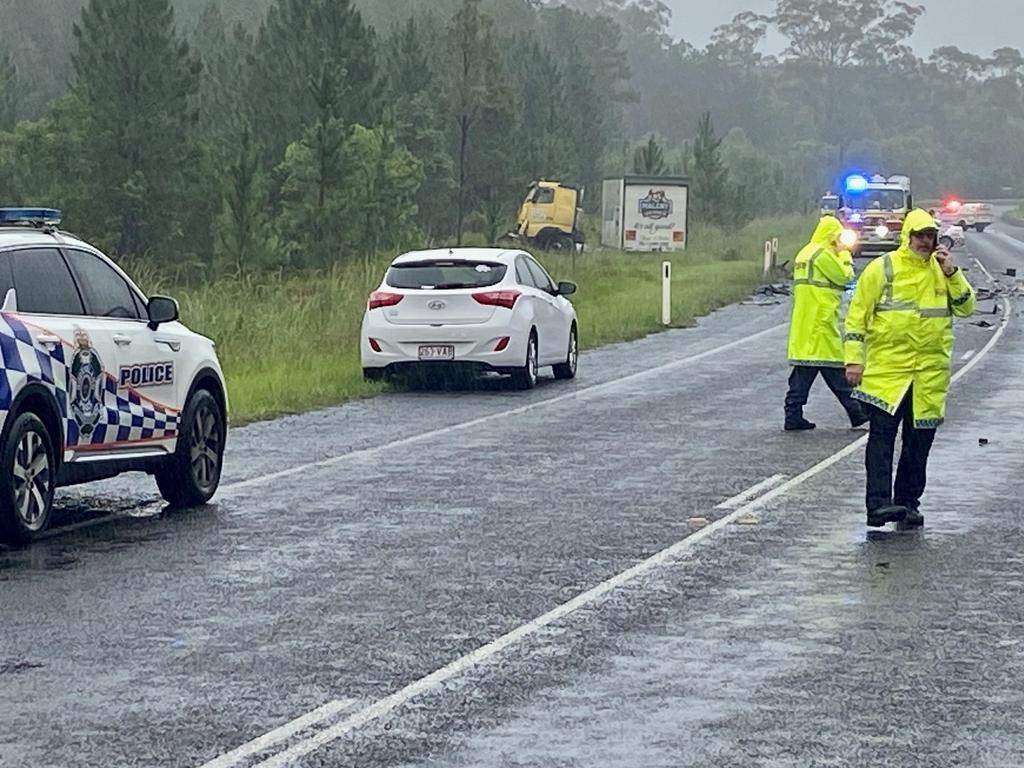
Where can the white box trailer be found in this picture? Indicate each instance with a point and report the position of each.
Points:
(645, 213)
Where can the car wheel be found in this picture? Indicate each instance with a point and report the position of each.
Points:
(946, 241)
(526, 377)
(28, 480)
(190, 477)
(567, 370)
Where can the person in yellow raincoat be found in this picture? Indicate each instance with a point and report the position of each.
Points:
(898, 344)
(820, 275)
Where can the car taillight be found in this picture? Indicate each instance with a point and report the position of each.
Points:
(383, 299)
(502, 344)
(506, 299)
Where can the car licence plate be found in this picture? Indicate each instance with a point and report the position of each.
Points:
(437, 352)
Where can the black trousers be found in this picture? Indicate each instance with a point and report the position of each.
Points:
(800, 381)
(911, 474)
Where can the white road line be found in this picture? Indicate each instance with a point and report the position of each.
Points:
(675, 552)
(969, 354)
(751, 492)
(585, 392)
(280, 734)
(982, 268)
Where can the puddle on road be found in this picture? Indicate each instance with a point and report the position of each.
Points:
(90, 525)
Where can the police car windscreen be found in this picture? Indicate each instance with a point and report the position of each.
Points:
(445, 274)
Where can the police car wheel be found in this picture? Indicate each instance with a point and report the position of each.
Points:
(28, 480)
(191, 476)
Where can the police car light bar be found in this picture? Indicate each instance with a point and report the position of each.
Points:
(35, 216)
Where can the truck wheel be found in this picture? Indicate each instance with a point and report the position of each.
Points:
(190, 477)
(562, 244)
(27, 480)
(980, 227)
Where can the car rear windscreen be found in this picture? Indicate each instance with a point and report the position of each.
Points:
(440, 275)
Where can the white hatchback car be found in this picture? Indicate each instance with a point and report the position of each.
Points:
(96, 378)
(480, 309)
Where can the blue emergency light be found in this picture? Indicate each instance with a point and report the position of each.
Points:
(34, 216)
(856, 183)
(856, 218)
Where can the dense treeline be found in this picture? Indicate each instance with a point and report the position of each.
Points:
(252, 134)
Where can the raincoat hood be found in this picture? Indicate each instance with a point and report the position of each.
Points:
(916, 220)
(827, 232)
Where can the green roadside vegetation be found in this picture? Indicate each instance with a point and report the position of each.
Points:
(291, 343)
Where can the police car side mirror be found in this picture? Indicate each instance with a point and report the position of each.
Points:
(162, 309)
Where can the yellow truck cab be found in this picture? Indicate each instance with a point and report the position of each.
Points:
(550, 217)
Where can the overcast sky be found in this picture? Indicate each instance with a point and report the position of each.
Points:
(974, 25)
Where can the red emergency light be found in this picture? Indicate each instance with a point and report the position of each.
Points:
(953, 205)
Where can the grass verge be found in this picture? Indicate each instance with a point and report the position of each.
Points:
(291, 344)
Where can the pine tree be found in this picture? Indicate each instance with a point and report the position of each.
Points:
(421, 123)
(710, 176)
(299, 42)
(475, 98)
(136, 80)
(649, 160)
(245, 241)
(8, 93)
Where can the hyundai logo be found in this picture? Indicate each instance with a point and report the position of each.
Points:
(436, 304)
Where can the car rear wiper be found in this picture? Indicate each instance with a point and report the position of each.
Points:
(447, 286)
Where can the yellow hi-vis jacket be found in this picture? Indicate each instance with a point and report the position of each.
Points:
(820, 276)
(900, 328)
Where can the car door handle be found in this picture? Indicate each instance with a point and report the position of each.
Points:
(121, 340)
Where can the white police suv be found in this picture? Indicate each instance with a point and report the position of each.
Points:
(95, 379)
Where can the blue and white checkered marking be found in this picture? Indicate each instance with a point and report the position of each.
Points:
(129, 417)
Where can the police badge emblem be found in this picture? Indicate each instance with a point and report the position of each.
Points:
(87, 384)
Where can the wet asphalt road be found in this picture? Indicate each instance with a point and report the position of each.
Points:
(437, 522)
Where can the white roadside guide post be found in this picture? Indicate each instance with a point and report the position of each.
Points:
(775, 252)
(666, 293)
(768, 257)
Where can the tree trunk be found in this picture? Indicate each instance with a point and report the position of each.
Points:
(464, 124)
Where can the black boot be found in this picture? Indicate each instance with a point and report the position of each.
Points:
(890, 513)
(797, 424)
(913, 518)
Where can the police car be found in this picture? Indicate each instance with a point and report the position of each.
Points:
(96, 378)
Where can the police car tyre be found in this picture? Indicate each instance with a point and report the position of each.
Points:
(946, 241)
(567, 370)
(526, 377)
(190, 477)
(27, 480)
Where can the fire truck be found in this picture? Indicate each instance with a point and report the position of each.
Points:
(874, 208)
